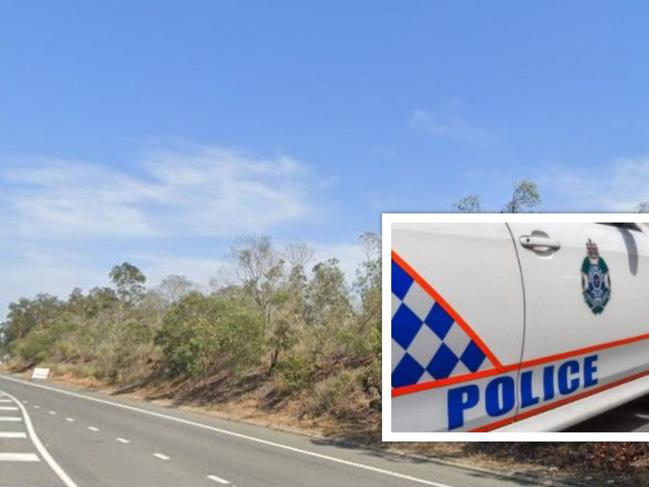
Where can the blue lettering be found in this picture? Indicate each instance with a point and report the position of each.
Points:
(589, 371)
(502, 393)
(459, 400)
(548, 383)
(568, 377)
(527, 394)
(500, 396)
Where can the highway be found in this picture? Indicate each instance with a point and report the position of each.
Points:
(52, 436)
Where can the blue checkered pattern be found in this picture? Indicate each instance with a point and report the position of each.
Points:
(427, 343)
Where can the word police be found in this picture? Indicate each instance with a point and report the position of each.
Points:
(498, 397)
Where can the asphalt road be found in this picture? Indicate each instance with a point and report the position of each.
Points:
(52, 436)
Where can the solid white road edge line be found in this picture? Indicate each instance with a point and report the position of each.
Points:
(11, 419)
(233, 434)
(41, 449)
(218, 479)
(8, 408)
(161, 456)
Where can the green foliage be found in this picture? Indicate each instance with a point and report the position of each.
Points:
(40, 344)
(327, 295)
(295, 371)
(467, 204)
(297, 325)
(202, 333)
(29, 313)
(129, 281)
(526, 196)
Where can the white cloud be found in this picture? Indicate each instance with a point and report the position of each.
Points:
(34, 270)
(618, 186)
(194, 191)
(448, 128)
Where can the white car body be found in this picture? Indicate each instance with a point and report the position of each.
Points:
(515, 326)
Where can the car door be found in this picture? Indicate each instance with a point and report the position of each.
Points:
(457, 326)
(586, 289)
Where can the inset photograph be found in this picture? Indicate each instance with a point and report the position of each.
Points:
(512, 323)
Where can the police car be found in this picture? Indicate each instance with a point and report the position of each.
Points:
(515, 326)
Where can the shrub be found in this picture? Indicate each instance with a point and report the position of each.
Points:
(40, 343)
(202, 332)
(331, 393)
(295, 371)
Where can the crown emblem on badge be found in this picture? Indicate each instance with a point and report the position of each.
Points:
(591, 249)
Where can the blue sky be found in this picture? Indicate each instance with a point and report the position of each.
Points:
(158, 131)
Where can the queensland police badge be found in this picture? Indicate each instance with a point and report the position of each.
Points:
(595, 279)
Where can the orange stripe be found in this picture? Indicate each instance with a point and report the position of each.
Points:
(556, 404)
(399, 391)
(582, 351)
(447, 307)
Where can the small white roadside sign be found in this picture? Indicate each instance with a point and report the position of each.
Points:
(40, 373)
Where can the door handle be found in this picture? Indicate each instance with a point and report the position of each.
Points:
(535, 242)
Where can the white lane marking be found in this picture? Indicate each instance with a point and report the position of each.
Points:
(52, 413)
(349, 463)
(161, 456)
(13, 434)
(11, 419)
(8, 408)
(218, 479)
(67, 481)
(92, 428)
(123, 440)
(19, 457)
(36, 407)
(6, 400)
(70, 420)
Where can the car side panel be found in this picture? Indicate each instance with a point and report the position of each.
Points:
(474, 268)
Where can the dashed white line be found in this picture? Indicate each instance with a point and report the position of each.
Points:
(8, 408)
(12, 434)
(218, 479)
(6, 400)
(234, 434)
(11, 419)
(35, 406)
(161, 456)
(52, 413)
(123, 440)
(69, 420)
(19, 457)
(92, 428)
